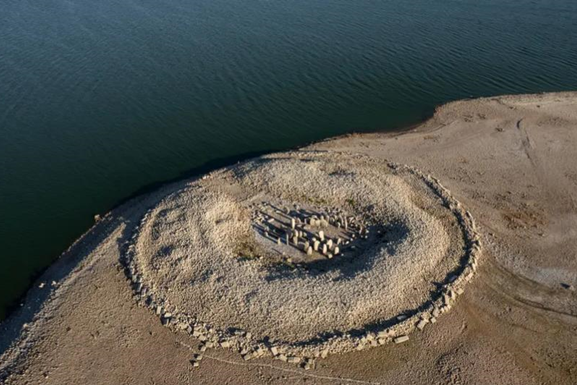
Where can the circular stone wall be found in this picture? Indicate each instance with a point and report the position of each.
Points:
(305, 252)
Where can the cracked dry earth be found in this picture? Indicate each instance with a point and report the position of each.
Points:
(511, 161)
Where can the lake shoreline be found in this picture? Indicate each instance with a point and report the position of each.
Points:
(194, 173)
(455, 125)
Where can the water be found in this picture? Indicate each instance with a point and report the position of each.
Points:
(101, 98)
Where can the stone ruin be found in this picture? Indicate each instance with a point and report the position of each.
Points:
(186, 264)
(300, 235)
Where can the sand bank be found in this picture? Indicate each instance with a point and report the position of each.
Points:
(510, 161)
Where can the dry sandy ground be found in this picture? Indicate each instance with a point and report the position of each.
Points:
(512, 161)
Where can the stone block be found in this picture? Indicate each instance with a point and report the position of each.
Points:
(401, 339)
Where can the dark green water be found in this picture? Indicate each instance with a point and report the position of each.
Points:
(101, 98)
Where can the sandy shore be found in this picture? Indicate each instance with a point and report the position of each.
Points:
(511, 161)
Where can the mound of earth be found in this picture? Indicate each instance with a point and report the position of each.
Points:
(303, 250)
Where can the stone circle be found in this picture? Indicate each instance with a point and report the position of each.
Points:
(304, 253)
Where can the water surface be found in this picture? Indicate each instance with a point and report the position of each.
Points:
(101, 98)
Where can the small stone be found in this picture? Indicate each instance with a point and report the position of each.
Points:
(316, 245)
(421, 324)
(330, 244)
(324, 249)
(293, 360)
(293, 223)
(225, 344)
(278, 241)
(567, 286)
(282, 357)
(322, 235)
(309, 250)
(401, 339)
(336, 251)
(274, 351)
(383, 334)
(433, 320)
(401, 317)
(310, 362)
(296, 241)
